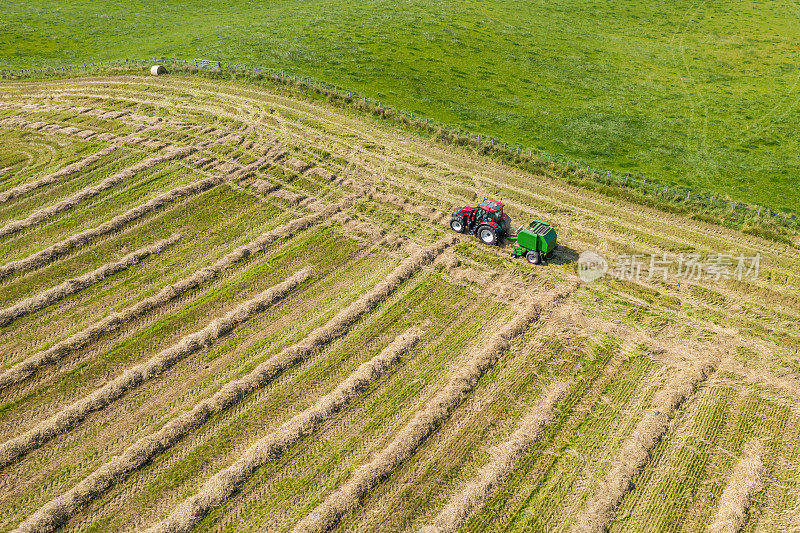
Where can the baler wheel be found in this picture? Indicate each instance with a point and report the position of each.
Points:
(533, 257)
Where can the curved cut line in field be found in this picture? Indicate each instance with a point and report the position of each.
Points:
(632, 458)
(72, 415)
(475, 494)
(55, 512)
(601, 203)
(75, 285)
(73, 131)
(60, 248)
(25, 188)
(114, 321)
(94, 190)
(413, 434)
(743, 484)
(130, 118)
(225, 483)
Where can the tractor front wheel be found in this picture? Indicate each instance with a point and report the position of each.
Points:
(488, 235)
(533, 257)
(457, 225)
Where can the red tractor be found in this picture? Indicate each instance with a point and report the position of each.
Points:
(486, 221)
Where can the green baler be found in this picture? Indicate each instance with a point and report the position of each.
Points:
(535, 241)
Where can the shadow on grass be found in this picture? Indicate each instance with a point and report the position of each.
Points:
(563, 255)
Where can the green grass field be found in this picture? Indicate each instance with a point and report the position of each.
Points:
(691, 93)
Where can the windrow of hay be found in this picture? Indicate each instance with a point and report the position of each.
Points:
(60, 248)
(113, 321)
(131, 118)
(743, 484)
(222, 485)
(55, 512)
(19, 122)
(74, 285)
(424, 422)
(288, 196)
(635, 452)
(504, 456)
(77, 166)
(93, 190)
(131, 378)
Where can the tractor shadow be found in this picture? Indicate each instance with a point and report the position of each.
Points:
(563, 255)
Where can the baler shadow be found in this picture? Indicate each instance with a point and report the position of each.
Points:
(563, 255)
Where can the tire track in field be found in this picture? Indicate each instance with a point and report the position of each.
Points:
(635, 451)
(93, 190)
(225, 483)
(573, 193)
(57, 175)
(317, 112)
(504, 456)
(55, 512)
(74, 285)
(131, 378)
(169, 293)
(58, 249)
(436, 411)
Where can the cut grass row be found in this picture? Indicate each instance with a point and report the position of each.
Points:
(115, 161)
(57, 511)
(168, 293)
(71, 286)
(115, 224)
(687, 476)
(54, 177)
(411, 436)
(205, 238)
(450, 324)
(202, 374)
(28, 155)
(93, 190)
(224, 484)
(132, 377)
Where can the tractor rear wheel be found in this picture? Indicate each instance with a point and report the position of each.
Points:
(533, 257)
(487, 235)
(457, 225)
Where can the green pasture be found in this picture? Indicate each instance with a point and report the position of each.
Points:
(703, 94)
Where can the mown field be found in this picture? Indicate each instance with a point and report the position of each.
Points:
(702, 94)
(222, 308)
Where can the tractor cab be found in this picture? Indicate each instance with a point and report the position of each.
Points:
(485, 220)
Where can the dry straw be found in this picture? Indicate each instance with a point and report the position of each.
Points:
(93, 190)
(25, 188)
(635, 452)
(113, 321)
(504, 456)
(74, 285)
(60, 248)
(743, 484)
(131, 378)
(349, 495)
(222, 485)
(55, 512)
